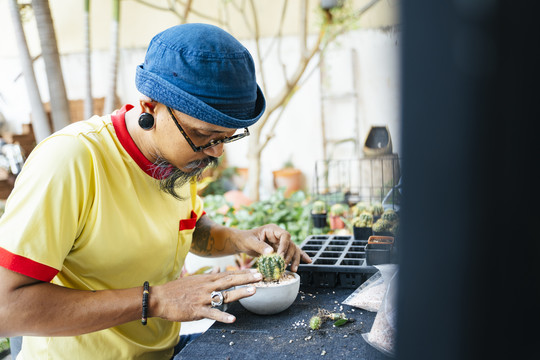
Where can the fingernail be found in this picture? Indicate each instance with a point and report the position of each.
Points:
(231, 318)
(250, 289)
(257, 276)
(268, 250)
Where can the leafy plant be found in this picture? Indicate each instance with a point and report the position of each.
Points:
(290, 213)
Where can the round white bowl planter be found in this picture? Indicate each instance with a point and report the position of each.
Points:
(273, 298)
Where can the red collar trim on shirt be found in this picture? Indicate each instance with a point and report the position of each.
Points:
(119, 123)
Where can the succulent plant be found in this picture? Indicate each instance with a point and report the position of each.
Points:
(364, 220)
(359, 208)
(319, 207)
(382, 225)
(377, 209)
(338, 209)
(390, 215)
(271, 266)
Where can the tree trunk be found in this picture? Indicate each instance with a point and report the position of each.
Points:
(110, 99)
(40, 122)
(254, 163)
(57, 91)
(88, 99)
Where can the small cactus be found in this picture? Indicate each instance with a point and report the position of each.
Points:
(390, 215)
(271, 266)
(364, 220)
(338, 209)
(315, 322)
(319, 207)
(377, 209)
(359, 208)
(382, 225)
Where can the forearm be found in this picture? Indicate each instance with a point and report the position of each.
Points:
(44, 309)
(211, 239)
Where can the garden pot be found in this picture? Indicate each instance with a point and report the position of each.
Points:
(362, 233)
(274, 298)
(289, 178)
(378, 142)
(379, 250)
(319, 220)
(336, 222)
(383, 233)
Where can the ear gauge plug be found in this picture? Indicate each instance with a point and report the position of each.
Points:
(146, 121)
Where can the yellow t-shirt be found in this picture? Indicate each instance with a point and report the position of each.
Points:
(86, 213)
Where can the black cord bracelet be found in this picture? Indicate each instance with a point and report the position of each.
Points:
(146, 291)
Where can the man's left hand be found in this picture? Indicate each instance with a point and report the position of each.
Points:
(271, 238)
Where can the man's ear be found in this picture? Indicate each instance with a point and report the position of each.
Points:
(147, 104)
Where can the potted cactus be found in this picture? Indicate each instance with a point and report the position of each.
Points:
(359, 208)
(362, 226)
(318, 214)
(390, 215)
(383, 228)
(337, 214)
(276, 291)
(377, 210)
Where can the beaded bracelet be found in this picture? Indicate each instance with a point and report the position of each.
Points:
(146, 291)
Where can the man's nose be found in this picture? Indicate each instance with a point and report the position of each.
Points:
(215, 151)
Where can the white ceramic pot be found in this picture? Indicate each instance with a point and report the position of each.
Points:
(273, 299)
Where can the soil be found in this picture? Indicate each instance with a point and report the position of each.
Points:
(285, 279)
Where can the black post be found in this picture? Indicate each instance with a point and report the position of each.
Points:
(470, 246)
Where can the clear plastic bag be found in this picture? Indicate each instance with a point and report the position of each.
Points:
(370, 294)
(383, 332)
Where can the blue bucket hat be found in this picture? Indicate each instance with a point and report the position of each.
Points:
(204, 72)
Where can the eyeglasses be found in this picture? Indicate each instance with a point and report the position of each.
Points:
(212, 142)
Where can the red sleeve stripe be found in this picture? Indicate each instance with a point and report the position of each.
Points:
(26, 266)
(186, 224)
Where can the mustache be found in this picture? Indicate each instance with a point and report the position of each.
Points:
(172, 178)
(197, 164)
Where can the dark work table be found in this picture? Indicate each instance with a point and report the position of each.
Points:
(287, 334)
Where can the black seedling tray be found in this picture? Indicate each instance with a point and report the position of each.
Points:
(338, 261)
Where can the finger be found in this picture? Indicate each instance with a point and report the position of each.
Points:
(296, 260)
(284, 239)
(230, 279)
(239, 292)
(218, 315)
(257, 247)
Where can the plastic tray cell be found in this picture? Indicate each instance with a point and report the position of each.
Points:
(337, 261)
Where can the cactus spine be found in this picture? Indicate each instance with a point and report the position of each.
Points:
(271, 266)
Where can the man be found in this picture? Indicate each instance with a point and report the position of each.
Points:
(109, 204)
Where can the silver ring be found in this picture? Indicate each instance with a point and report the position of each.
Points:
(218, 294)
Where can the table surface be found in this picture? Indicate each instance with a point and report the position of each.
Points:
(287, 334)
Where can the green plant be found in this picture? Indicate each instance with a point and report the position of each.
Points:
(271, 266)
(290, 213)
(338, 209)
(377, 209)
(364, 220)
(4, 344)
(319, 207)
(390, 215)
(382, 225)
(359, 208)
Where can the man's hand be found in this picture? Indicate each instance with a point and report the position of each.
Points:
(271, 238)
(189, 298)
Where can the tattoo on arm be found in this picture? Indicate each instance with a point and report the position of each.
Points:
(203, 241)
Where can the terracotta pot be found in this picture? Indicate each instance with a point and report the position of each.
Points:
(336, 222)
(290, 178)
